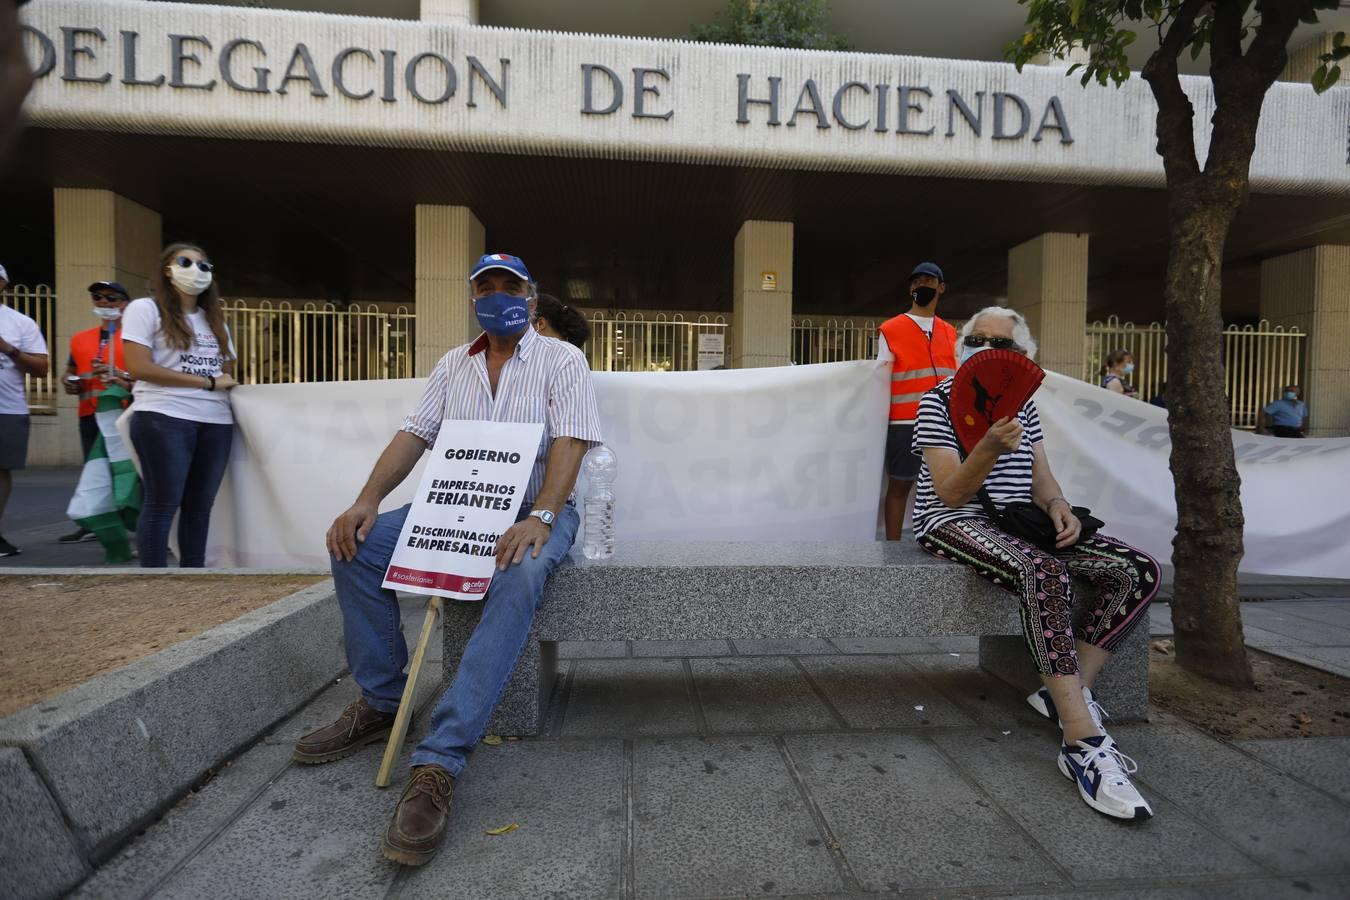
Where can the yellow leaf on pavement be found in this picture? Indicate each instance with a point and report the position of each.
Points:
(492, 739)
(505, 829)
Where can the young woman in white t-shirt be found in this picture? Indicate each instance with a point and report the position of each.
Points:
(179, 351)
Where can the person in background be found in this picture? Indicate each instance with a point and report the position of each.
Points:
(96, 360)
(1287, 417)
(921, 349)
(1117, 369)
(179, 351)
(23, 351)
(555, 319)
(1160, 398)
(1012, 464)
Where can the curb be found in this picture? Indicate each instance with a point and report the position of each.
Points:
(82, 772)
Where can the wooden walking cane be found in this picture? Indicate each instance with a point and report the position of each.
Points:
(405, 706)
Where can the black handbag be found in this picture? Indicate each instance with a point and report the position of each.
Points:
(1032, 524)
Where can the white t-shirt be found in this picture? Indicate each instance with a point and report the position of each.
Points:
(141, 325)
(23, 333)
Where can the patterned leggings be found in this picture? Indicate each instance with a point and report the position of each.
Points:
(1125, 580)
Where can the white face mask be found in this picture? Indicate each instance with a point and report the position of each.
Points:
(108, 313)
(191, 281)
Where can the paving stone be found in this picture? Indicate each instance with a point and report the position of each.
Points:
(681, 648)
(1329, 612)
(1020, 773)
(38, 855)
(717, 817)
(770, 647)
(954, 643)
(881, 692)
(625, 697)
(759, 694)
(315, 833)
(906, 819)
(592, 649)
(569, 843)
(1261, 639)
(1324, 761)
(1316, 633)
(1288, 827)
(1159, 618)
(1335, 660)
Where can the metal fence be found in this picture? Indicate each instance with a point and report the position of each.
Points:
(279, 342)
(39, 303)
(630, 342)
(1259, 360)
(833, 340)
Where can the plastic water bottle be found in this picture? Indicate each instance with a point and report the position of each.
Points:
(598, 537)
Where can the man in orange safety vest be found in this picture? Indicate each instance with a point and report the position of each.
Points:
(921, 349)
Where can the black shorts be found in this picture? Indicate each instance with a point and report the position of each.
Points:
(13, 441)
(901, 463)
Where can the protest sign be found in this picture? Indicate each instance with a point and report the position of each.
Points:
(470, 492)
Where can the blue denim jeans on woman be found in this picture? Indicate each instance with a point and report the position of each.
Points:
(182, 464)
(377, 652)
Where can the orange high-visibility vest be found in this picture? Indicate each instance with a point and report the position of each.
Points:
(920, 363)
(84, 348)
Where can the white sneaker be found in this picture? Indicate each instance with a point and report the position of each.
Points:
(1102, 774)
(1043, 704)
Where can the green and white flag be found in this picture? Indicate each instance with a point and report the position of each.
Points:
(107, 500)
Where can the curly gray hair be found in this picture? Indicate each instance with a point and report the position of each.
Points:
(1021, 333)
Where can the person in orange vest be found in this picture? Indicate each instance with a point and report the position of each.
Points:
(921, 349)
(95, 362)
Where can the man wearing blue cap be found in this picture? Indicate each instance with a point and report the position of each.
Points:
(511, 373)
(921, 349)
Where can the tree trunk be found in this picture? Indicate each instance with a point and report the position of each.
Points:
(1208, 543)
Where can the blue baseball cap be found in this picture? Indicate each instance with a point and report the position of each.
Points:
(110, 286)
(513, 264)
(927, 268)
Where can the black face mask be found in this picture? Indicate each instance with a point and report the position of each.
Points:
(923, 295)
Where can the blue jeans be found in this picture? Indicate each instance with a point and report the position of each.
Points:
(377, 652)
(182, 464)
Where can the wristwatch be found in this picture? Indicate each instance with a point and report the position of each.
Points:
(543, 515)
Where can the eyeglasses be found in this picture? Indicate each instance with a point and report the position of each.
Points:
(185, 262)
(997, 343)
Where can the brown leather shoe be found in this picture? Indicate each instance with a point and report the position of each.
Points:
(360, 724)
(414, 836)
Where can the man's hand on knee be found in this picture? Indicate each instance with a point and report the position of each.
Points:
(523, 535)
(351, 528)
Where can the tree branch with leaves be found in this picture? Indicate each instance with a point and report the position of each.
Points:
(1247, 41)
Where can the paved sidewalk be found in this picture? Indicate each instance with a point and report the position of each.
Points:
(36, 516)
(761, 769)
(1314, 632)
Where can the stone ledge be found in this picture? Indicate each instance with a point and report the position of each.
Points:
(40, 858)
(117, 749)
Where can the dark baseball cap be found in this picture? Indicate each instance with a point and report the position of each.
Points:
(109, 286)
(927, 268)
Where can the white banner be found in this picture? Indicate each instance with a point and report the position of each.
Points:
(769, 455)
(470, 492)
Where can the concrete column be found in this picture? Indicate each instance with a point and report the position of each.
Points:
(1310, 289)
(451, 12)
(1047, 283)
(1306, 57)
(761, 325)
(100, 236)
(449, 241)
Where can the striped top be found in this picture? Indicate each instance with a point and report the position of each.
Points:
(545, 380)
(1010, 480)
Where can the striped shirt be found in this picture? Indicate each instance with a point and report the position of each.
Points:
(1010, 480)
(545, 380)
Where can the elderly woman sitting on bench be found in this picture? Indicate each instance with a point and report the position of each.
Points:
(950, 522)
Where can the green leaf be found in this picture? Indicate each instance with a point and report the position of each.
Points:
(1197, 48)
(1127, 38)
(1072, 67)
(1332, 77)
(1076, 11)
(1319, 79)
(1087, 76)
(1339, 54)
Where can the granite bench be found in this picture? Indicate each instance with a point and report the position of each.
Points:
(701, 591)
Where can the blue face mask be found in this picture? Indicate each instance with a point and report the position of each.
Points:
(1290, 395)
(502, 315)
(1129, 368)
(968, 352)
